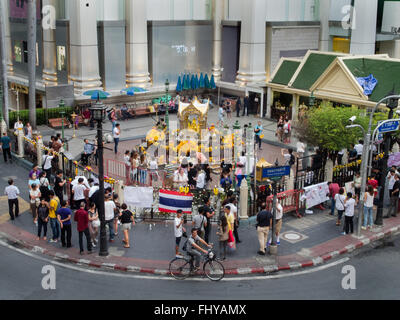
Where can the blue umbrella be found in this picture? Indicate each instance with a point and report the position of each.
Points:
(197, 81)
(206, 82)
(212, 82)
(179, 85)
(186, 85)
(97, 94)
(132, 90)
(201, 81)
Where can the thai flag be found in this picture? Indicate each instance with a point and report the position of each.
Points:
(172, 201)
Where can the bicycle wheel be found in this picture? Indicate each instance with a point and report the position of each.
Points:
(179, 268)
(214, 270)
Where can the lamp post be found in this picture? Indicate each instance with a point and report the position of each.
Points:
(236, 148)
(364, 160)
(73, 116)
(99, 114)
(250, 144)
(61, 105)
(167, 111)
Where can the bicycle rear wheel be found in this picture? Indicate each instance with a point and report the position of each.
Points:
(214, 270)
(179, 268)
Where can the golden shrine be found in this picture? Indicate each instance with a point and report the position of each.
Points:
(193, 115)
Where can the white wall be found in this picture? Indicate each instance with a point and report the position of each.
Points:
(336, 9)
(276, 10)
(159, 10)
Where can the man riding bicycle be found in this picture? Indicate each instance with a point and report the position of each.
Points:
(193, 248)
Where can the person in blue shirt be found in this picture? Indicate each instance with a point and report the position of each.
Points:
(64, 218)
(258, 131)
(88, 150)
(6, 146)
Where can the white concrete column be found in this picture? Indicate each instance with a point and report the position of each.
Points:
(295, 107)
(49, 51)
(252, 42)
(290, 179)
(218, 14)
(244, 196)
(270, 100)
(137, 64)
(363, 36)
(324, 38)
(329, 170)
(84, 61)
(20, 139)
(5, 14)
(39, 151)
(396, 49)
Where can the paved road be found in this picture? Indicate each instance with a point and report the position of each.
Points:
(376, 278)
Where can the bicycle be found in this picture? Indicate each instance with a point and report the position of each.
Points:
(182, 267)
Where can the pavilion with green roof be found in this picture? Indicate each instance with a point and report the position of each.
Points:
(329, 76)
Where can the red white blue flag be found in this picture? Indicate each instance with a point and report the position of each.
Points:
(172, 201)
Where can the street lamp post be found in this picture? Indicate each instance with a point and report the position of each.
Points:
(250, 144)
(167, 109)
(364, 160)
(61, 105)
(99, 114)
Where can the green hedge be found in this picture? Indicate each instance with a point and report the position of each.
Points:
(42, 115)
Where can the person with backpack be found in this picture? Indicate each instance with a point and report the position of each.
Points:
(200, 222)
(127, 221)
(44, 186)
(43, 218)
(339, 205)
(54, 206)
(289, 157)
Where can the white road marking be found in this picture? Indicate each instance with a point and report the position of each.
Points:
(127, 275)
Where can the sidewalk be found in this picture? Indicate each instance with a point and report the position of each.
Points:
(305, 242)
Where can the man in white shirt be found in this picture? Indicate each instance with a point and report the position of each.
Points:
(178, 230)
(116, 136)
(48, 157)
(278, 218)
(349, 213)
(18, 125)
(243, 159)
(12, 193)
(359, 148)
(201, 180)
(109, 213)
(78, 192)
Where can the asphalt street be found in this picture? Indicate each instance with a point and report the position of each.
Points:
(376, 278)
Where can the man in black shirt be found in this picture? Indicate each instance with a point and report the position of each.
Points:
(208, 213)
(191, 175)
(59, 185)
(264, 221)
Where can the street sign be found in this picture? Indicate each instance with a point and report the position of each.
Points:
(276, 172)
(389, 126)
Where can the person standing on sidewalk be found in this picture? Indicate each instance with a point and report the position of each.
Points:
(82, 219)
(64, 218)
(200, 222)
(43, 219)
(35, 195)
(54, 205)
(233, 205)
(59, 185)
(264, 221)
(278, 228)
(78, 191)
(208, 213)
(258, 131)
(339, 204)
(116, 136)
(12, 193)
(223, 236)
(127, 161)
(48, 157)
(94, 223)
(333, 191)
(109, 209)
(368, 206)
(238, 106)
(394, 197)
(246, 104)
(127, 221)
(349, 204)
(178, 230)
(5, 143)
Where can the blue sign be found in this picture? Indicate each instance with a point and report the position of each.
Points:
(389, 126)
(276, 172)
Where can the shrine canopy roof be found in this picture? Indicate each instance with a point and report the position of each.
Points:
(196, 104)
(285, 71)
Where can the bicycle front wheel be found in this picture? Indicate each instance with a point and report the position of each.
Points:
(179, 268)
(214, 270)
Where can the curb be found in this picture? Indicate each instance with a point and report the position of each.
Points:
(295, 265)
